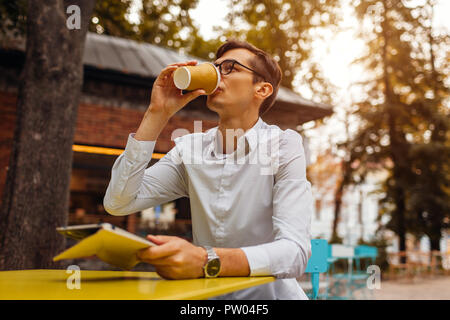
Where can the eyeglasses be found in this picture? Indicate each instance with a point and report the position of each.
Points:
(226, 66)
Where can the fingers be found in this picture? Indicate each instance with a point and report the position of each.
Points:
(158, 252)
(150, 254)
(167, 71)
(187, 63)
(188, 97)
(158, 240)
(167, 246)
(161, 239)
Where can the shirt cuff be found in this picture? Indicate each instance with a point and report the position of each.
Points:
(137, 150)
(258, 261)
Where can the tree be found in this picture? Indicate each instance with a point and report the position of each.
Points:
(167, 23)
(35, 199)
(164, 23)
(392, 110)
(430, 195)
(282, 28)
(384, 116)
(286, 29)
(110, 18)
(325, 174)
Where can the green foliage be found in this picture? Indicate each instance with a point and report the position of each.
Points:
(109, 17)
(167, 23)
(282, 28)
(285, 29)
(404, 127)
(404, 104)
(12, 17)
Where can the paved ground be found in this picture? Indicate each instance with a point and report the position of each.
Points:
(437, 288)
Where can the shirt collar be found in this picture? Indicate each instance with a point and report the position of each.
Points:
(250, 135)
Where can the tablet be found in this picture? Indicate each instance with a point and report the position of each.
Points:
(109, 243)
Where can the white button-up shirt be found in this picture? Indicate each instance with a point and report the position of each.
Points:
(256, 198)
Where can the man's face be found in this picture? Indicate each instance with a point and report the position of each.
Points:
(235, 93)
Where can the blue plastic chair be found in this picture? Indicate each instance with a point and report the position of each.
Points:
(363, 253)
(317, 263)
(340, 283)
(356, 275)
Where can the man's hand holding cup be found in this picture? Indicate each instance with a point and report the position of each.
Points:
(166, 98)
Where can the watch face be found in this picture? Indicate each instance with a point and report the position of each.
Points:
(213, 267)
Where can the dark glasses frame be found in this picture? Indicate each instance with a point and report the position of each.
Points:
(219, 65)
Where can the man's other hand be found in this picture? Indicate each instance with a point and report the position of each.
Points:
(174, 257)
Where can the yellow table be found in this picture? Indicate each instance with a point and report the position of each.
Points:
(115, 285)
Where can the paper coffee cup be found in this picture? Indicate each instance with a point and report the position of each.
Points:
(204, 76)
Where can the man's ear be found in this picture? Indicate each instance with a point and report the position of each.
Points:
(263, 90)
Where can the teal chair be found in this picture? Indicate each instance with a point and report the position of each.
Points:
(355, 278)
(317, 263)
(363, 252)
(340, 284)
(368, 255)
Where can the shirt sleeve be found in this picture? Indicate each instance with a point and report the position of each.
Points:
(134, 187)
(288, 255)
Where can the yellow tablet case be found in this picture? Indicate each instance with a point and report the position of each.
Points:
(112, 245)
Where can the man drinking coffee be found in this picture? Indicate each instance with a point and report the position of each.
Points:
(250, 200)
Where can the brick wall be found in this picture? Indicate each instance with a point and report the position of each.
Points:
(109, 126)
(96, 125)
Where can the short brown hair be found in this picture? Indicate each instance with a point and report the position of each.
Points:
(263, 63)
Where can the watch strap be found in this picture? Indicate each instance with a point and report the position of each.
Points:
(211, 253)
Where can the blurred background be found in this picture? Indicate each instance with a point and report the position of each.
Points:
(365, 82)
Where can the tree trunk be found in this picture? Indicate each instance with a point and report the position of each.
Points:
(35, 199)
(400, 213)
(345, 179)
(337, 210)
(435, 242)
(397, 144)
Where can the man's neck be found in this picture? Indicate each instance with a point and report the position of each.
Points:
(239, 125)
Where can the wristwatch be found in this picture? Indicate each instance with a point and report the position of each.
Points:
(212, 266)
